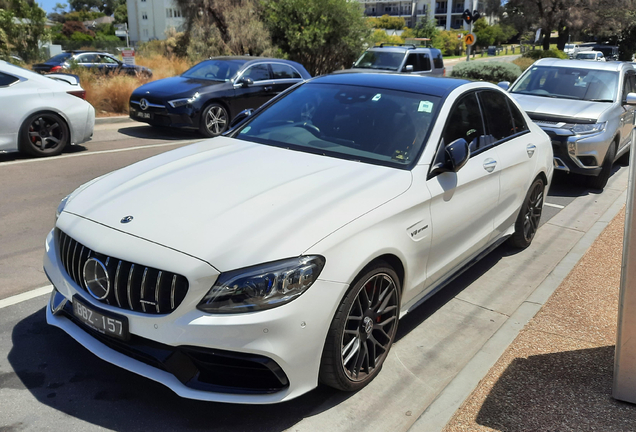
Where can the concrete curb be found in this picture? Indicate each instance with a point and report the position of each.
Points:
(110, 120)
(439, 413)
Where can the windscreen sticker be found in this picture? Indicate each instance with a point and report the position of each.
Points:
(246, 130)
(425, 106)
(376, 97)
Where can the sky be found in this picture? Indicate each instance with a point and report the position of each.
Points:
(48, 5)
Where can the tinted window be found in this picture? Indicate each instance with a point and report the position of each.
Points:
(517, 118)
(282, 71)
(438, 61)
(107, 59)
(215, 70)
(380, 60)
(420, 62)
(357, 123)
(496, 114)
(60, 58)
(87, 58)
(258, 72)
(6, 80)
(628, 84)
(464, 121)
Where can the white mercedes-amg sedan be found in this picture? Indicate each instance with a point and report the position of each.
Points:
(251, 267)
(41, 115)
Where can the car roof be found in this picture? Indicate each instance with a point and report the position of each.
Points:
(581, 64)
(397, 48)
(432, 86)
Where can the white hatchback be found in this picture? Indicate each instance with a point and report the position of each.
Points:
(42, 114)
(250, 267)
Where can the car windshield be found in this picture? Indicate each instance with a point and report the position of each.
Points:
(586, 56)
(216, 70)
(569, 83)
(569, 46)
(380, 60)
(60, 58)
(365, 124)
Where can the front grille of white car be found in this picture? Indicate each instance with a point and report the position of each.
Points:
(130, 286)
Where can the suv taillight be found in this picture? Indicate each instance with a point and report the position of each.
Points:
(78, 93)
(55, 68)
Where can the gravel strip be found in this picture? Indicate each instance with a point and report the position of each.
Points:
(557, 374)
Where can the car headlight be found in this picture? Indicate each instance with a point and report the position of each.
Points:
(60, 207)
(582, 129)
(261, 287)
(185, 101)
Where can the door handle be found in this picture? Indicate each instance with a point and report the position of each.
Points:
(490, 164)
(530, 148)
(268, 88)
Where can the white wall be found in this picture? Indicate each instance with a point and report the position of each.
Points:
(149, 19)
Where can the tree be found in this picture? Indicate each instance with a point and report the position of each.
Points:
(105, 6)
(58, 12)
(23, 29)
(492, 35)
(121, 14)
(72, 27)
(448, 42)
(425, 28)
(387, 22)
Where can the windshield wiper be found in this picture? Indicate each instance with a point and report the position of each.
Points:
(599, 100)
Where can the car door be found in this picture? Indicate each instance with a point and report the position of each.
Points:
(463, 204)
(508, 132)
(107, 64)
(90, 61)
(255, 94)
(10, 96)
(627, 117)
(284, 76)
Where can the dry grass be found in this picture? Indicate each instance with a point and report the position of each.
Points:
(110, 94)
(523, 62)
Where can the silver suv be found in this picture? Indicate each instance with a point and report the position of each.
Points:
(402, 58)
(587, 109)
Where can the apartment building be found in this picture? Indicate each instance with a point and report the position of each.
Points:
(447, 13)
(149, 19)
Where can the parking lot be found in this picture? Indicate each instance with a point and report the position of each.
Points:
(48, 381)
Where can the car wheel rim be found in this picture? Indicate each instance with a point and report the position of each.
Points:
(370, 327)
(46, 133)
(216, 120)
(533, 212)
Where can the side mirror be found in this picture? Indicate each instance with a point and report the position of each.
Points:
(408, 68)
(450, 158)
(240, 117)
(504, 85)
(630, 99)
(245, 81)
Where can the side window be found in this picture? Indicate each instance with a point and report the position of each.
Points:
(465, 122)
(496, 114)
(438, 61)
(7, 80)
(424, 63)
(628, 84)
(411, 60)
(87, 58)
(517, 118)
(282, 71)
(258, 72)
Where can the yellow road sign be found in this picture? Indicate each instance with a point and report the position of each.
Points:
(470, 39)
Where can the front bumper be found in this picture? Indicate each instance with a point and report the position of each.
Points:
(589, 152)
(159, 115)
(289, 338)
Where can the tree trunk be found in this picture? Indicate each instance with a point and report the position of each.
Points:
(546, 38)
(564, 33)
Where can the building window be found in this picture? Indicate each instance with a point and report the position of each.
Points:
(168, 13)
(143, 1)
(144, 16)
(145, 33)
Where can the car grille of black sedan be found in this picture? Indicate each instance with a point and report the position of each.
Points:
(131, 286)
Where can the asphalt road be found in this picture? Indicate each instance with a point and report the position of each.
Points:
(48, 381)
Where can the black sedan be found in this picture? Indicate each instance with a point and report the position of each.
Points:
(94, 60)
(209, 95)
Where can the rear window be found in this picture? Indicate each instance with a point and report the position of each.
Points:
(438, 61)
(60, 58)
(7, 80)
(384, 60)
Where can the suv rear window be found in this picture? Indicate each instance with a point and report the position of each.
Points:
(385, 60)
(438, 61)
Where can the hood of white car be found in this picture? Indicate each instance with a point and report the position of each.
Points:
(234, 203)
(564, 108)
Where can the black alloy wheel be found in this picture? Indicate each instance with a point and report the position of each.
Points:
(362, 331)
(214, 120)
(529, 217)
(44, 134)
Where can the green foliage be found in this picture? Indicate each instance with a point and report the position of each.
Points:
(379, 36)
(22, 29)
(387, 22)
(539, 54)
(523, 62)
(488, 35)
(81, 37)
(121, 14)
(448, 42)
(83, 15)
(425, 28)
(71, 27)
(323, 35)
(487, 71)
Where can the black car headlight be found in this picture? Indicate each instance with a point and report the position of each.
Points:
(261, 287)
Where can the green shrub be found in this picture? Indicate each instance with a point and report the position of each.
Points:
(523, 63)
(539, 54)
(487, 71)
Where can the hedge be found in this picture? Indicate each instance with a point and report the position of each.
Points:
(487, 71)
(539, 54)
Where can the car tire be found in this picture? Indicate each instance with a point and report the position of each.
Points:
(214, 120)
(44, 134)
(362, 330)
(529, 216)
(601, 179)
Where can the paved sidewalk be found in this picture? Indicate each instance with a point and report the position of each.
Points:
(557, 374)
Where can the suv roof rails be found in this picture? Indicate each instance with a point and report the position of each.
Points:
(389, 44)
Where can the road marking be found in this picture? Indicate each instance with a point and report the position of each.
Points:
(553, 205)
(19, 298)
(173, 143)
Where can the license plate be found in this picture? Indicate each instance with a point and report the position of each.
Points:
(103, 322)
(144, 115)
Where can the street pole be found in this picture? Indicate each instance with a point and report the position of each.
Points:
(469, 46)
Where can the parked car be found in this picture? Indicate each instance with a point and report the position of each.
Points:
(43, 114)
(97, 61)
(571, 49)
(586, 108)
(610, 52)
(249, 267)
(590, 56)
(207, 96)
(405, 59)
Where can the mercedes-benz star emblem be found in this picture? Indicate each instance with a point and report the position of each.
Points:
(96, 278)
(126, 219)
(143, 104)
